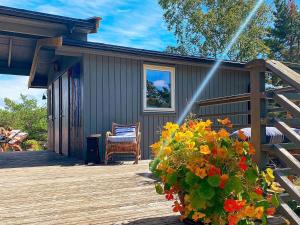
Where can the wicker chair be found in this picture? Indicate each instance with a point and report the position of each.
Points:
(129, 144)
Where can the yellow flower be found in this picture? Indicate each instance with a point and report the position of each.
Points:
(201, 173)
(270, 173)
(179, 136)
(204, 149)
(191, 145)
(197, 216)
(168, 150)
(276, 188)
(208, 123)
(223, 133)
(259, 212)
(189, 134)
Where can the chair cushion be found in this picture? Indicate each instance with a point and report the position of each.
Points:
(121, 139)
(18, 138)
(274, 136)
(125, 131)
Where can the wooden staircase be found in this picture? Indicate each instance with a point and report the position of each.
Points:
(259, 98)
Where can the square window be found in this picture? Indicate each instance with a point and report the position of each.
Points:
(159, 88)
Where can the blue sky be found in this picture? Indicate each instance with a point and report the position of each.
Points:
(133, 23)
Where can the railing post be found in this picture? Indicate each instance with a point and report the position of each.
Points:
(258, 110)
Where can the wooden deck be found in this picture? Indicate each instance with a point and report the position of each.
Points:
(45, 188)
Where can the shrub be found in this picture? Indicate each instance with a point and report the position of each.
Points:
(211, 177)
(33, 145)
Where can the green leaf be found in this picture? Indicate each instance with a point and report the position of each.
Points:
(206, 191)
(264, 220)
(171, 178)
(153, 164)
(251, 175)
(159, 189)
(191, 179)
(233, 184)
(214, 181)
(198, 202)
(263, 203)
(275, 201)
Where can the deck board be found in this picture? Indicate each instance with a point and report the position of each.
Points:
(45, 188)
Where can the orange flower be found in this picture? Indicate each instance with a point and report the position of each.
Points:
(231, 205)
(177, 207)
(225, 122)
(238, 147)
(222, 153)
(224, 179)
(241, 135)
(200, 173)
(191, 145)
(170, 170)
(249, 211)
(251, 149)
(204, 149)
(165, 134)
(259, 212)
(210, 137)
(233, 220)
(197, 216)
(223, 133)
(168, 150)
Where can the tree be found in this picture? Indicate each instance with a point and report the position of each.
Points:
(204, 27)
(26, 116)
(284, 38)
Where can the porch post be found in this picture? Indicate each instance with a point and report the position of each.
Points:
(258, 110)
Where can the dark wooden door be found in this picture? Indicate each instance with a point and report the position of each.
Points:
(65, 114)
(56, 118)
(50, 119)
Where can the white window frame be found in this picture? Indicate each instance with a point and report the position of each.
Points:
(160, 68)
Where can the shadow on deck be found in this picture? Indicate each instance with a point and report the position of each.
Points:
(34, 159)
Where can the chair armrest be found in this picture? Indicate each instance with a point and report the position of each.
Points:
(108, 133)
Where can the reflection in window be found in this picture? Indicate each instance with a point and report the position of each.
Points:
(158, 88)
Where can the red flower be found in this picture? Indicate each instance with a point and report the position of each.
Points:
(177, 207)
(242, 164)
(259, 191)
(213, 171)
(270, 211)
(169, 196)
(233, 220)
(231, 205)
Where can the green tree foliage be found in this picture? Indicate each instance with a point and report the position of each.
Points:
(25, 115)
(158, 97)
(205, 27)
(284, 38)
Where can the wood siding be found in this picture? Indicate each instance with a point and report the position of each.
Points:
(112, 92)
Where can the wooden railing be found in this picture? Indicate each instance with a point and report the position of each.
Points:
(259, 98)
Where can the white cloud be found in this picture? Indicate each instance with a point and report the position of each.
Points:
(13, 86)
(160, 83)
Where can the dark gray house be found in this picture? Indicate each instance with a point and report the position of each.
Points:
(90, 85)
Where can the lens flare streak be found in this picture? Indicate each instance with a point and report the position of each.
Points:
(217, 64)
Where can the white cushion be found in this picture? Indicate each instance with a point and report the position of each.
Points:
(125, 131)
(120, 139)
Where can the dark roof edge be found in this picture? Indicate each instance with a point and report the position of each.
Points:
(90, 24)
(149, 53)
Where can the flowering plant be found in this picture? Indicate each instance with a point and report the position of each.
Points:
(210, 176)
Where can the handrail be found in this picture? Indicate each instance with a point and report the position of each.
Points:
(284, 72)
(287, 104)
(225, 100)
